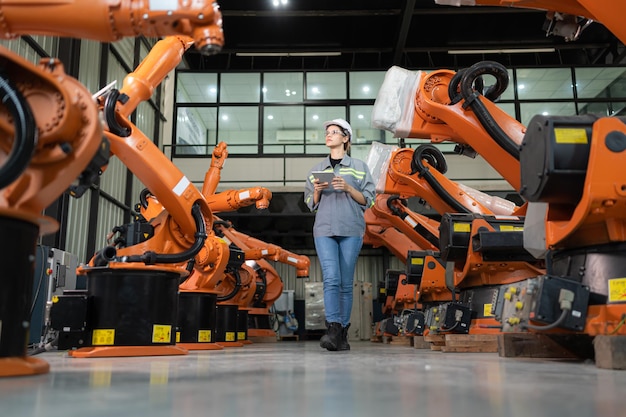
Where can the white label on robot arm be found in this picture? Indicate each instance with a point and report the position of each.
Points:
(181, 186)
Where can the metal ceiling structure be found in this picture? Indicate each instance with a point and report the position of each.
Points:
(374, 35)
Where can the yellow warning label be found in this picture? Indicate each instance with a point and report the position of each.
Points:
(511, 228)
(462, 227)
(161, 333)
(230, 336)
(617, 290)
(487, 310)
(417, 261)
(177, 337)
(570, 135)
(204, 336)
(102, 337)
(241, 335)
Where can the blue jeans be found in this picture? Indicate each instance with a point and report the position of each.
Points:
(338, 256)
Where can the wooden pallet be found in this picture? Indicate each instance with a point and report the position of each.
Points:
(397, 340)
(545, 345)
(469, 343)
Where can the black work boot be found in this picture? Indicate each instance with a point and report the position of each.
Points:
(332, 338)
(343, 343)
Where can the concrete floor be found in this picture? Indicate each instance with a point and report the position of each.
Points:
(299, 379)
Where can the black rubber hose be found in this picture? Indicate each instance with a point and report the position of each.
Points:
(150, 258)
(143, 197)
(25, 138)
(432, 153)
(394, 209)
(109, 114)
(453, 87)
(235, 289)
(472, 99)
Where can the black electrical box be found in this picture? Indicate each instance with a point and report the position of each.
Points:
(415, 323)
(546, 308)
(68, 316)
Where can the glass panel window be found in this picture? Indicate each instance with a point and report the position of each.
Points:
(239, 126)
(603, 109)
(360, 120)
(195, 130)
(283, 87)
(601, 82)
(282, 126)
(529, 110)
(240, 88)
(544, 83)
(365, 84)
(196, 88)
(325, 85)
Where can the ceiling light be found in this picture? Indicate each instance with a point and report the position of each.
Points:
(499, 51)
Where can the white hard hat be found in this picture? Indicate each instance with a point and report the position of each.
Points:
(341, 123)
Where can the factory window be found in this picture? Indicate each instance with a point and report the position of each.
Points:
(280, 113)
(600, 82)
(196, 88)
(284, 87)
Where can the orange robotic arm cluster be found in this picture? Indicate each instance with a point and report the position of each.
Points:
(49, 126)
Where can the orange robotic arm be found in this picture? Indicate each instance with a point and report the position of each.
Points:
(607, 12)
(256, 249)
(49, 127)
(419, 173)
(109, 21)
(445, 106)
(231, 200)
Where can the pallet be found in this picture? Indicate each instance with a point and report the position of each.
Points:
(467, 343)
(397, 340)
(420, 343)
(610, 352)
(546, 345)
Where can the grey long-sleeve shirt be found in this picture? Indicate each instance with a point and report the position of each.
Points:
(337, 213)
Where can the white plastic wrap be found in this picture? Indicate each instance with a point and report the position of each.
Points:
(394, 109)
(378, 163)
(497, 205)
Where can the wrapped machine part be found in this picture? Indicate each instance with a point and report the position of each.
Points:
(394, 106)
(378, 163)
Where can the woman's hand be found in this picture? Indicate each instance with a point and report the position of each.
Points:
(340, 184)
(319, 186)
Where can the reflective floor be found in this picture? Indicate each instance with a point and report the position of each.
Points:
(292, 378)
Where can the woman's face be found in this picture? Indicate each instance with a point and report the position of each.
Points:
(334, 136)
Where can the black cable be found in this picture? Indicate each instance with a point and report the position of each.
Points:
(236, 288)
(150, 258)
(436, 159)
(472, 99)
(550, 326)
(109, 113)
(41, 275)
(25, 138)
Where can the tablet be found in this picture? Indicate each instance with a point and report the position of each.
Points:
(324, 176)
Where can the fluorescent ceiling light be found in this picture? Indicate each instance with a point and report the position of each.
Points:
(499, 51)
(333, 53)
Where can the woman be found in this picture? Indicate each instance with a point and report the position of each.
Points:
(339, 226)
